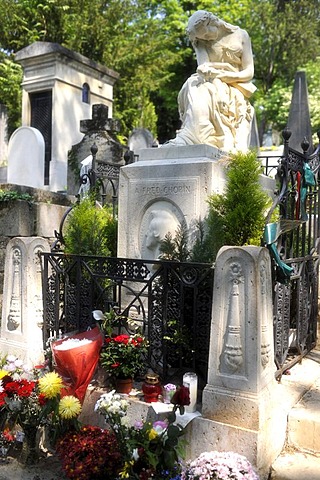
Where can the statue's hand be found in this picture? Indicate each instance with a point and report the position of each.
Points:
(228, 77)
(206, 71)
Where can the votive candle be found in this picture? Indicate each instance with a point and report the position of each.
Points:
(190, 380)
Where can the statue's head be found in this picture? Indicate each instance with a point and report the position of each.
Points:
(160, 223)
(203, 18)
(200, 17)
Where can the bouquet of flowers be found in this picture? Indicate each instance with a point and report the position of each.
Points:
(76, 359)
(36, 401)
(122, 355)
(148, 450)
(219, 466)
(32, 402)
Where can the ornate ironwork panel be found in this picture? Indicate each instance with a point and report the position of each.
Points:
(170, 300)
(297, 246)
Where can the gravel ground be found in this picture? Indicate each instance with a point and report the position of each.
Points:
(48, 468)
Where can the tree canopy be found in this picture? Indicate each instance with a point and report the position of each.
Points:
(145, 42)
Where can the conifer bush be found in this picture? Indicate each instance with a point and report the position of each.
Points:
(237, 216)
(91, 230)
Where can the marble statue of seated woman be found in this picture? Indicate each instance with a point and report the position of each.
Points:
(213, 103)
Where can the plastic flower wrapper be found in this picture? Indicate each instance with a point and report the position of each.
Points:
(77, 364)
(219, 466)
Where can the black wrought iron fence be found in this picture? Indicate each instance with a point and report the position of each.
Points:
(170, 300)
(296, 231)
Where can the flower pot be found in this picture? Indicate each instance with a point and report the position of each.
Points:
(123, 385)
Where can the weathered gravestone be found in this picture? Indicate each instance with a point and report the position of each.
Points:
(101, 132)
(26, 158)
(21, 323)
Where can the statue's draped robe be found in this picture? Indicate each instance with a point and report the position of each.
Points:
(214, 112)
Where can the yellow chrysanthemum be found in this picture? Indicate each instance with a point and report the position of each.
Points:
(50, 384)
(3, 373)
(152, 434)
(69, 407)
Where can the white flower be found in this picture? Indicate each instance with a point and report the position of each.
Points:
(135, 454)
(1, 386)
(10, 367)
(111, 404)
(11, 358)
(18, 363)
(98, 315)
(125, 422)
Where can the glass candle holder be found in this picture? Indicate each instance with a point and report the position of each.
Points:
(190, 380)
(151, 388)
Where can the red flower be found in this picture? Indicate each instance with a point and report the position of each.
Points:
(2, 397)
(181, 396)
(22, 388)
(25, 388)
(115, 365)
(8, 435)
(122, 339)
(42, 399)
(12, 387)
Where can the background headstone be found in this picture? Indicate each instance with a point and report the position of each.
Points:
(26, 158)
(101, 131)
(3, 143)
(141, 138)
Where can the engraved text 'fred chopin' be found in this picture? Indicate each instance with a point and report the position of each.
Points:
(164, 190)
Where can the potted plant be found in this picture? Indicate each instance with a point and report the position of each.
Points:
(122, 357)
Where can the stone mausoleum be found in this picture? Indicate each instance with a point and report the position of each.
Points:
(59, 88)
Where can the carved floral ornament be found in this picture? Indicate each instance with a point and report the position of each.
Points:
(233, 351)
(14, 316)
(265, 345)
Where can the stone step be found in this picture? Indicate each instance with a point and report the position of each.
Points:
(296, 466)
(300, 459)
(304, 422)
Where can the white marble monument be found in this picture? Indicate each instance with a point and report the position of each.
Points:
(21, 323)
(165, 188)
(240, 409)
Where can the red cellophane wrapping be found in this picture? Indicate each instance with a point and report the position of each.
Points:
(76, 365)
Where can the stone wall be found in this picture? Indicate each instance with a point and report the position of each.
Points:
(38, 218)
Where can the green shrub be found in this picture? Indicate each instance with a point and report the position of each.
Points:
(175, 247)
(7, 196)
(237, 216)
(91, 230)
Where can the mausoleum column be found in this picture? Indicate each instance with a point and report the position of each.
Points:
(241, 361)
